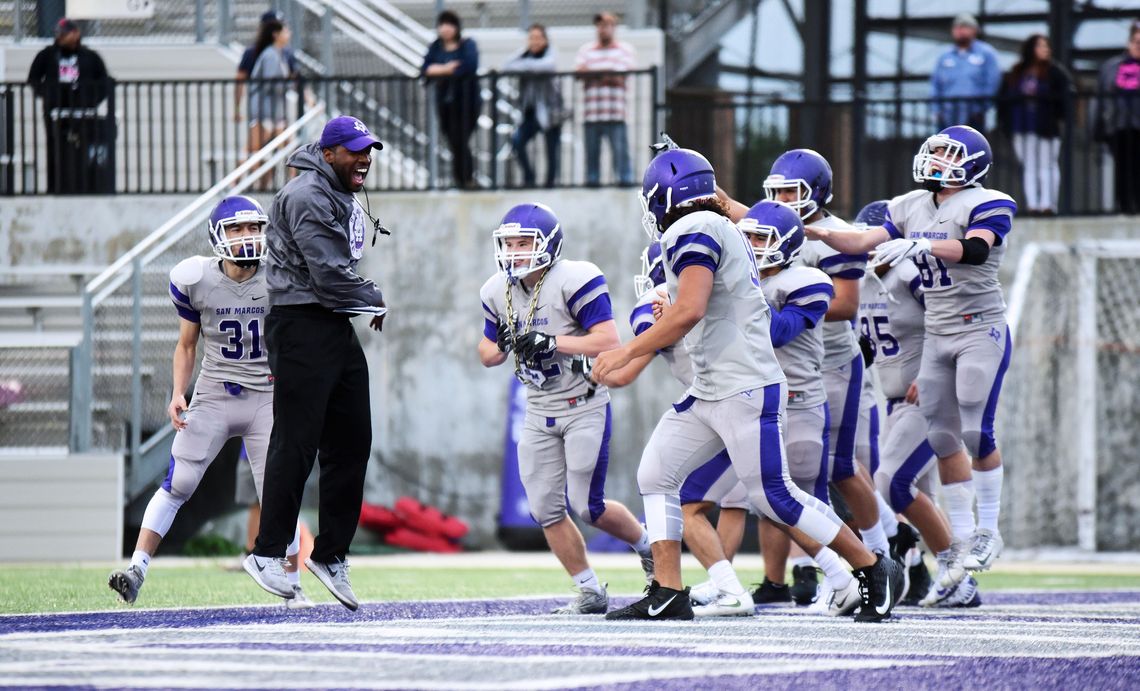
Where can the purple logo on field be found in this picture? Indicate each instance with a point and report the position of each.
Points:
(356, 232)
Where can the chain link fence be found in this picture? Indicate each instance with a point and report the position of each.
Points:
(34, 395)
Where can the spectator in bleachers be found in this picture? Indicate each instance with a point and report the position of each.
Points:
(249, 59)
(450, 65)
(267, 113)
(1117, 119)
(540, 103)
(72, 81)
(964, 76)
(605, 99)
(1030, 111)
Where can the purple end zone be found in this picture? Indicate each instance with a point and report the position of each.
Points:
(388, 611)
(1104, 674)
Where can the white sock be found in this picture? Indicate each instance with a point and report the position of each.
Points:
(725, 578)
(876, 539)
(803, 560)
(959, 498)
(834, 573)
(642, 545)
(294, 577)
(140, 560)
(987, 483)
(887, 517)
(588, 580)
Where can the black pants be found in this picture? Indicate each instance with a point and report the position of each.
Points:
(457, 121)
(320, 404)
(1125, 146)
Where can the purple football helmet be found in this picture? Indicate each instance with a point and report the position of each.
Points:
(675, 178)
(535, 221)
(652, 269)
(244, 249)
(872, 215)
(780, 227)
(806, 171)
(958, 156)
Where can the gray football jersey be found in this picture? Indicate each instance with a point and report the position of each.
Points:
(731, 348)
(572, 298)
(232, 317)
(675, 355)
(802, 357)
(891, 314)
(840, 344)
(959, 297)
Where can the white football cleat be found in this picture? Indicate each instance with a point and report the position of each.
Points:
(845, 601)
(965, 594)
(703, 593)
(727, 605)
(299, 600)
(984, 550)
(822, 599)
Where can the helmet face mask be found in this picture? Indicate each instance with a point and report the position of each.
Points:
(245, 250)
(779, 226)
(958, 156)
(652, 270)
(536, 222)
(803, 203)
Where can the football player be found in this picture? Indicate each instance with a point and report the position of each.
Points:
(547, 316)
(893, 309)
(954, 229)
(221, 302)
(738, 395)
(802, 179)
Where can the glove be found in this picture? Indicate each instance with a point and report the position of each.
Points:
(503, 337)
(894, 251)
(582, 365)
(868, 349)
(533, 345)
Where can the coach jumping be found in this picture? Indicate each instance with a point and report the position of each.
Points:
(320, 377)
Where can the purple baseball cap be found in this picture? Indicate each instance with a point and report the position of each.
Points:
(350, 133)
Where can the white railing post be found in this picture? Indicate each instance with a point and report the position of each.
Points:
(1086, 424)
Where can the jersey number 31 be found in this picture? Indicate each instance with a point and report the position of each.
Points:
(237, 333)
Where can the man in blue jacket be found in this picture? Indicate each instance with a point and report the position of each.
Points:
(967, 70)
(320, 395)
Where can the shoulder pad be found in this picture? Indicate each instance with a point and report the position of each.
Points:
(189, 271)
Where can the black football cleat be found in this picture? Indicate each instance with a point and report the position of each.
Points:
(805, 584)
(770, 592)
(879, 585)
(659, 603)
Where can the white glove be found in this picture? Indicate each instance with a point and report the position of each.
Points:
(894, 251)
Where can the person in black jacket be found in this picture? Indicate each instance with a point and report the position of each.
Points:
(320, 376)
(450, 66)
(72, 81)
(1117, 119)
(1031, 109)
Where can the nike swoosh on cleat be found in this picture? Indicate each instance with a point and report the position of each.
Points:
(332, 572)
(259, 566)
(734, 603)
(655, 611)
(886, 606)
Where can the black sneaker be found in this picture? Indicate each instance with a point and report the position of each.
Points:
(659, 603)
(878, 588)
(903, 542)
(920, 583)
(805, 584)
(770, 592)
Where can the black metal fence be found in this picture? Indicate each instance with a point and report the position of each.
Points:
(184, 136)
(1079, 154)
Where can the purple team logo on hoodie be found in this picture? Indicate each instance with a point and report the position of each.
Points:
(356, 232)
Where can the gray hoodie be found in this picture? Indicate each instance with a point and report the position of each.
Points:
(315, 238)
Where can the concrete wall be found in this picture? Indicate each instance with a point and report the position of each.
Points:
(439, 416)
(61, 508)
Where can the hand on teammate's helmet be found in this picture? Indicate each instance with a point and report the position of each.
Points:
(534, 344)
(503, 337)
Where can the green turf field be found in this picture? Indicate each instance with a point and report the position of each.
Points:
(32, 589)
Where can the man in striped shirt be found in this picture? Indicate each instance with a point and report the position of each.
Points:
(604, 102)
